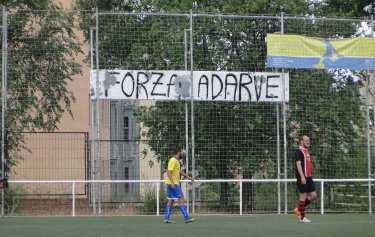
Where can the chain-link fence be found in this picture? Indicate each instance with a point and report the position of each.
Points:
(229, 140)
(226, 137)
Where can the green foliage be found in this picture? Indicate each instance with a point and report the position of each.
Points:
(166, 126)
(352, 196)
(323, 104)
(346, 8)
(335, 124)
(265, 197)
(42, 50)
(13, 200)
(148, 200)
(201, 6)
(40, 4)
(210, 198)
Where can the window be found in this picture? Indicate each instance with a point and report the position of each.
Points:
(126, 128)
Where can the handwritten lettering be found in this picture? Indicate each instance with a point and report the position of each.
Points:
(207, 86)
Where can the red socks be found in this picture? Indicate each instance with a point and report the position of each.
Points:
(301, 208)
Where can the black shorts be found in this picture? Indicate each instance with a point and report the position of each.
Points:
(309, 187)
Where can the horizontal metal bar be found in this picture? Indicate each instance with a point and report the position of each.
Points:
(143, 14)
(324, 18)
(188, 181)
(231, 16)
(235, 16)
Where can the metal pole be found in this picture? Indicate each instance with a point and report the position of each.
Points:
(278, 158)
(284, 132)
(368, 140)
(157, 199)
(73, 199)
(192, 107)
(98, 114)
(240, 197)
(92, 185)
(186, 121)
(373, 103)
(4, 100)
(322, 197)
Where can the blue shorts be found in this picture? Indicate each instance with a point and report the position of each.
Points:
(175, 193)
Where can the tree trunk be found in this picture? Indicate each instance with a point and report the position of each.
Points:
(247, 197)
(224, 196)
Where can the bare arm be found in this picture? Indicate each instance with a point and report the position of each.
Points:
(186, 175)
(300, 172)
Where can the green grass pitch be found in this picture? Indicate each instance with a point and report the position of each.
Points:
(330, 225)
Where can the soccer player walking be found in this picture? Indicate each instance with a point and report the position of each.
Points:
(174, 191)
(305, 183)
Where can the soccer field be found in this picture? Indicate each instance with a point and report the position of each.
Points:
(342, 225)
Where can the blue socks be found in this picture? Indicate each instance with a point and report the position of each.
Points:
(168, 211)
(183, 209)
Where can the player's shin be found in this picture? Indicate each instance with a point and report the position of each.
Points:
(183, 209)
(168, 211)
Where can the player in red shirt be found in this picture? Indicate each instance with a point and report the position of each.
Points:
(305, 183)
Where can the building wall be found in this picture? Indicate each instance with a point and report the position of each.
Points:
(62, 155)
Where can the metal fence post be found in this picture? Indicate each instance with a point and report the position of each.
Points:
(186, 120)
(99, 155)
(192, 108)
(4, 99)
(322, 197)
(373, 103)
(92, 118)
(368, 139)
(73, 198)
(278, 158)
(157, 198)
(240, 197)
(284, 131)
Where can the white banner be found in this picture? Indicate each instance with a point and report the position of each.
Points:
(175, 85)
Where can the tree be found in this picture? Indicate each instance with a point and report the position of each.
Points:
(42, 47)
(346, 8)
(232, 139)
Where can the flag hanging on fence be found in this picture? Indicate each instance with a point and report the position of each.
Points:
(295, 51)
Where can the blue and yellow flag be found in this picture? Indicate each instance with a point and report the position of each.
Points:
(295, 51)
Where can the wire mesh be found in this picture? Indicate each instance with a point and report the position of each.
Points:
(134, 139)
(240, 140)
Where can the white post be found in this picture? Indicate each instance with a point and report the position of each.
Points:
(278, 159)
(98, 114)
(322, 197)
(4, 83)
(240, 197)
(157, 198)
(284, 132)
(186, 122)
(369, 157)
(92, 130)
(73, 199)
(192, 110)
(369, 148)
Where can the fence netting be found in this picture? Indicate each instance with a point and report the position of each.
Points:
(133, 139)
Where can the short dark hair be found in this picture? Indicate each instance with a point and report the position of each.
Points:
(177, 150)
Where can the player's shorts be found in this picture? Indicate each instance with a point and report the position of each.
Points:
(175, 193)
(309, 187)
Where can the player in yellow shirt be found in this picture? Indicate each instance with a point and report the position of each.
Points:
(174, 191)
